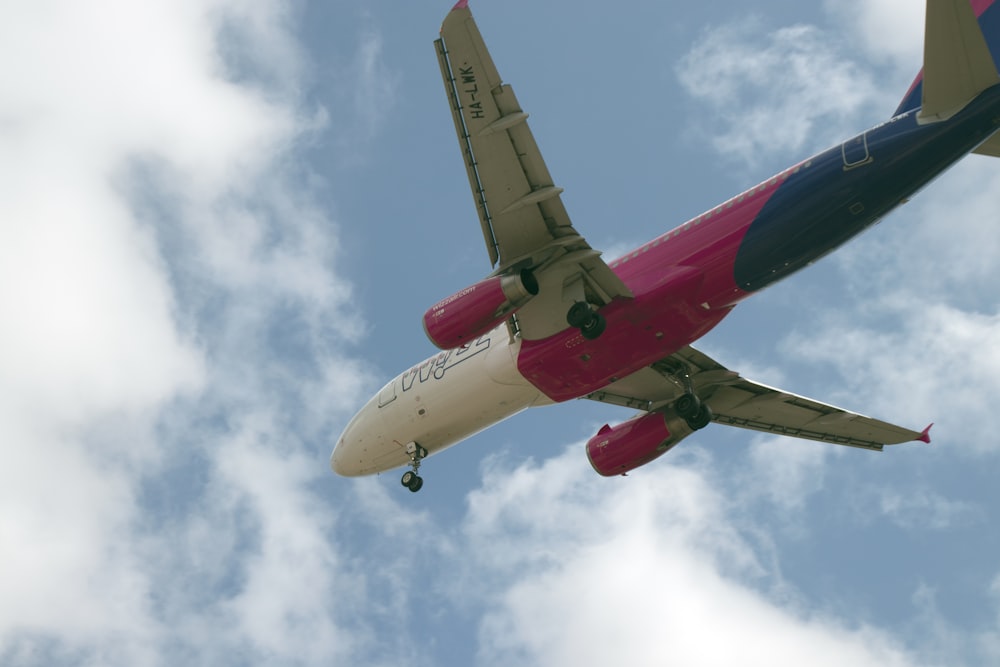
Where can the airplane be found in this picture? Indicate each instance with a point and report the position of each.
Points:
(555, 322)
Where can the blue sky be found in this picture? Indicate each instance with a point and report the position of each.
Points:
(220, 223)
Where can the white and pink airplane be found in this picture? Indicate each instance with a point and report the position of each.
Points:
(554, 322)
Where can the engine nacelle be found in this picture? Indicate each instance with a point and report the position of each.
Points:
(476, 310)
(616, 450)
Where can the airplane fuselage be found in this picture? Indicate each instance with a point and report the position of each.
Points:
(684, 283)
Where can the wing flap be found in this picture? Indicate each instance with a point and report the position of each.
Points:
(750, 405)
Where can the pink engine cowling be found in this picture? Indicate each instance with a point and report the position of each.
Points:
(467, 315)
(616, 450)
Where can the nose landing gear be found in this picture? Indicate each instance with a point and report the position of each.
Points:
(411, 479)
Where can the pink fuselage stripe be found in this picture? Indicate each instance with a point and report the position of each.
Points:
(683, 286)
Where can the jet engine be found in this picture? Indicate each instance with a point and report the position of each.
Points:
(616, 450)
(476, 310)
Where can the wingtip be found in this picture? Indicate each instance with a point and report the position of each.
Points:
(925, 435)
(461, 4)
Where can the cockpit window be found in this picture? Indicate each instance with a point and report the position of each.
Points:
(388, 394)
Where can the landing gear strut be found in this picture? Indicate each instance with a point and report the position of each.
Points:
(590, 322)
(411, 479)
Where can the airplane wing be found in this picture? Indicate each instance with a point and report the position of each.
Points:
(739, 402)
(523, 220)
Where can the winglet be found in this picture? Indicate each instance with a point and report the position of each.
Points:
(461, 4)
(925, 435)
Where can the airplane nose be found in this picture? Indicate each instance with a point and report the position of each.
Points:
(347, 461)
(348, 453)
(362, 445)
(371, 441)
(338, 461)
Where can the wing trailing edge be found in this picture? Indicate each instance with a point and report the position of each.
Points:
(736, 401)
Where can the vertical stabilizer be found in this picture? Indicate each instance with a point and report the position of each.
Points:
(957, 60)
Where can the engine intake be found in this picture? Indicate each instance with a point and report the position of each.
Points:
(476, 310)
(616, 450)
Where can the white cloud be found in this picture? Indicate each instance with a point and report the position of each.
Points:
(925, 510)
(288, 605)
(946, 642)
(774, 92)
(170, 312)
(786, 471)
(642, 570)
(373, 98)
(890, 29)
(68, 566)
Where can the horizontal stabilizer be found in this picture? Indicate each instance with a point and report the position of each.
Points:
(957, 61)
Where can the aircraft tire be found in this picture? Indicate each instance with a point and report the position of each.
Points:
(579, 314)
(688, 406)
(595, 327)
(417, 484)
(701, 419)
(407, 479)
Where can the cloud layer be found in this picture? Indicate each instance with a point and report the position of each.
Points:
(171, 313)
(658, 567)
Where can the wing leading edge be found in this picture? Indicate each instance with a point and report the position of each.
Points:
(523, 220)
(739, 402)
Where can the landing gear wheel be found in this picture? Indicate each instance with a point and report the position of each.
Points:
(701, 419)
(590, 323)
(579, 314)
(688, 406)
(595, 327)
(411, 479)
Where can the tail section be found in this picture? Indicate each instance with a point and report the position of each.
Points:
(961, 49)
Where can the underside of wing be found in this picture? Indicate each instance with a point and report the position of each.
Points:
(523, 220)
(736, 401)
(755, 406)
